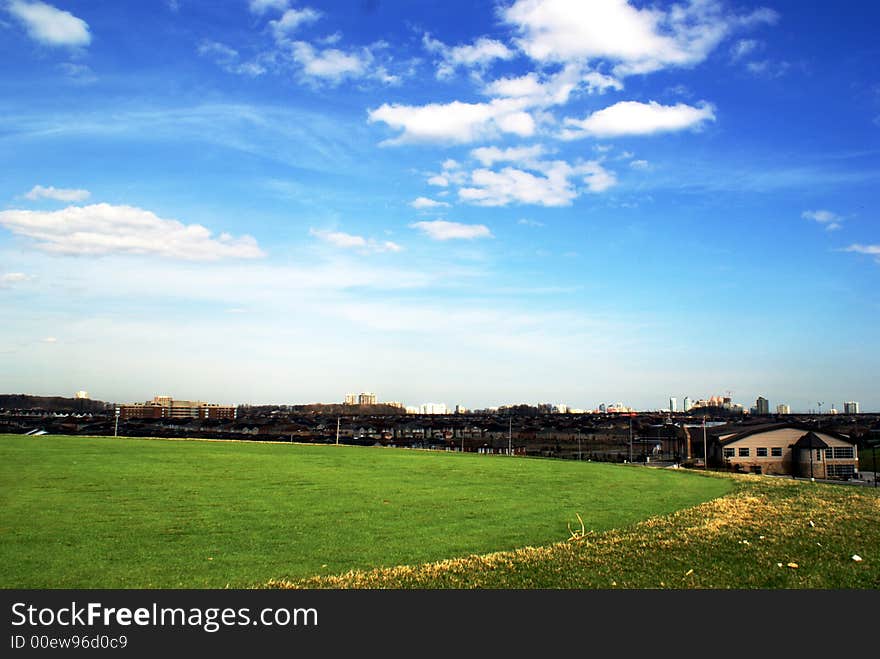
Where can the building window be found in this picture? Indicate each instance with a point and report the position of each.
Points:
(762, 452)
(776, 451)
(744, 452)
(844, 452)
(828, 454)
(729, 453)
(818, 455)
(841, 471)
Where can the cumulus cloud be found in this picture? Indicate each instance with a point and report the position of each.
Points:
(529, 223)
(831, 221)
(328, 63)
(455, 122)
(425, 202)
(102, 229)
(50, 25)
(480, 54)
(639, 164)
(58, 194)
(344, 240)
(489, 155)
(547, 184)
(636, 40)
(545, 90)
(635, 118)
(291, 20)
(442, 230)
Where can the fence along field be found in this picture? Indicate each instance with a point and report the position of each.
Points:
(135, 513)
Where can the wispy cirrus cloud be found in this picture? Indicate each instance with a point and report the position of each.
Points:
(49, 25)
(443, 230)
(103, 229)
(58, 194)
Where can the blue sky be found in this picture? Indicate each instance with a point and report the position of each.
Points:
(461, 202)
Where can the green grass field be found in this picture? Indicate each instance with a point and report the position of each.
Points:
(128, 513)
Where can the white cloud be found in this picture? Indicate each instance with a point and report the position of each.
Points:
(454, 122)
(79, 73)
(350, 241)
(541, 91)
(50, 25)
(425, 202)
(637, 40)
(831, 221)
(442, 230)
(11, 278)
(639, 164)
(260, 7)
(529, 223)
(58, 194)
(480, 54)
(548, 184)
(329, 64)
(228, 59)
(50, 339)
(102, 229)
(742, 48)
(635, 118)
(597, 178)
(489, 155)
(439, 180)
(870, 250)
(291, 20)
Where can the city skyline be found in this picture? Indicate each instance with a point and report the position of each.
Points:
(266, 201)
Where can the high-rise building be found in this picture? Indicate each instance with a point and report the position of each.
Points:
(762, 406)
(434, 408)
(673, 404)
(851, 407)
(686, 404)
(351, 399)
(783, 408)
(366, 398)
(81, 395)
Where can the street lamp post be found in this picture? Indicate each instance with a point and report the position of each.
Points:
(705, 452)
(630, 439)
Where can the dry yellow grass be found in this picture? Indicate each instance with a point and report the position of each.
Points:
(768, 533)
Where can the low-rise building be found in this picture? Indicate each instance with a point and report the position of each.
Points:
(786, 449)
(165, 407)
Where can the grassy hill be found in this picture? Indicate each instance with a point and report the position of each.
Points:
(768, 533)
(132, 513)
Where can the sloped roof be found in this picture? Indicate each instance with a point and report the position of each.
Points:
(811, 440)
(747, 431)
